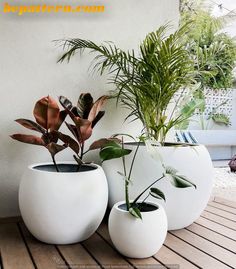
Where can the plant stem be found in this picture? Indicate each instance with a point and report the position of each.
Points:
(136, 199)
(126, 181)
(82, 151)
(145, 198)
(132, 163)
(55, 164)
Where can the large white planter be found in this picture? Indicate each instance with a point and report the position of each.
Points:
(65, 207)
(137, 238)
(183, 206)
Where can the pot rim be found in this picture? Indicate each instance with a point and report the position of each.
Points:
(32, 167)
(166, 145)
(158, 207)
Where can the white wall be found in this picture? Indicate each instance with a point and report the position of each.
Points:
(28, 71)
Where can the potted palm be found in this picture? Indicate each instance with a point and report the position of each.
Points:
(63, 202)
(147, 83)
(138, 227)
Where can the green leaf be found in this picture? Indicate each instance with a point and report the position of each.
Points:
(156, 193)
(112, 150)
(221, 118)
(134, 211)
(171, 170)
(178, 181)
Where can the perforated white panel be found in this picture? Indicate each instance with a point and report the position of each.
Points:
(221, 100)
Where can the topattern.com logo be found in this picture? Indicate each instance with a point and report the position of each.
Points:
(44, 8)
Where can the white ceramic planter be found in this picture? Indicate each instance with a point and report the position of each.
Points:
(65, 207)
(182, 206)
(137, 238)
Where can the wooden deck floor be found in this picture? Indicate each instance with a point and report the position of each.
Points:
(208, 243)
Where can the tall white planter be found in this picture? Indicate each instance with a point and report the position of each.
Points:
(137, 238)
(183, 206)
(65, 207)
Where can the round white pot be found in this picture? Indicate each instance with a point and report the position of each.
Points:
(182, 206)
(65, 207)
(137, 238)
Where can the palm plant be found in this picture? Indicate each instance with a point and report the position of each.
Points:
(147, 81)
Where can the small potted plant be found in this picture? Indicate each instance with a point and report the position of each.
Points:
(63, 202)
(150, 83)
(138, 227)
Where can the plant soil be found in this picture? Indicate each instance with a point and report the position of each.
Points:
(65, 168)
(143, 207)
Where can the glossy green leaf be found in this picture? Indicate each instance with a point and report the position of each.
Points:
(134, 211)
(156, 193)
(178, 181)
(113, 150)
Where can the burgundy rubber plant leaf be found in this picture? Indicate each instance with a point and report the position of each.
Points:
(61, 119)
(73, 130)
(97, 118)
(29, 124)
(29, 139)
(67, 140)
(46, 113)
(54, 148)
(103, 142)
(65, 102)
(85, 127)
(97, 107)
(84, 105)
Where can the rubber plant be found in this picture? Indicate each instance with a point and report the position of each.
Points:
(115, 149)
(49, 118)
(85, 115)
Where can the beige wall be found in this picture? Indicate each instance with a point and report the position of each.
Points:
(28, 71)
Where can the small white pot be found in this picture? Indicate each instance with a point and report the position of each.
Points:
(137, 238)
(65, 207)
(182, 206)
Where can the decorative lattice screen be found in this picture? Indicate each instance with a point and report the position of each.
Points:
(220, 99)
(215, 98)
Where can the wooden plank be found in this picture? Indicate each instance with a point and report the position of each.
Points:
(231, 234)
(213, 237)
(223, 207)
(206, 246)
(104, 254)
(169, 257)
(77, 257)
(138, 263)
(44, 255)
(14, 253)
(221, 213)
(192, 254)
(225, 222)
(225, 202)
